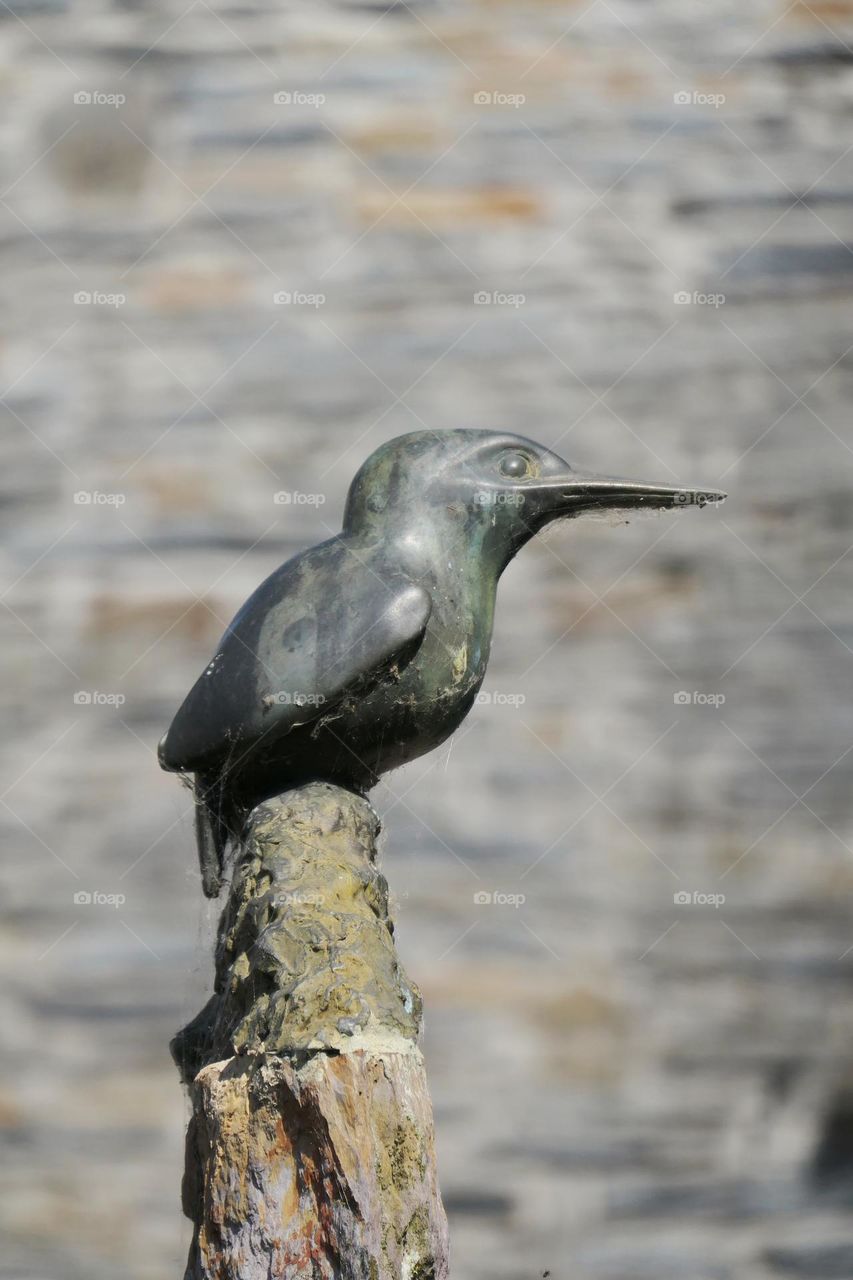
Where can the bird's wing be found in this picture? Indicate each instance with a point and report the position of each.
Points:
(319, 628)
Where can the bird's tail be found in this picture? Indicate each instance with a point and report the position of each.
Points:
(212, 833)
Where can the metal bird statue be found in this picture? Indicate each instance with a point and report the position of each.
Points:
(368, 650)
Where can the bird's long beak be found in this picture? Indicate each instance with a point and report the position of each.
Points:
(584, 492)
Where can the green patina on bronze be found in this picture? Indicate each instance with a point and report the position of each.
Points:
(368, 650)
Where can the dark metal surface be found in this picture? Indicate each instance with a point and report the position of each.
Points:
(368, 650)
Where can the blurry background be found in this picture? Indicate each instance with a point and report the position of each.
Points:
(625, 229)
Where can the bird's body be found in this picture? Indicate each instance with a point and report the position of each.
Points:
(368, 650)
(346, 679)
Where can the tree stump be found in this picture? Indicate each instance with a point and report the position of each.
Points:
(310, 1152)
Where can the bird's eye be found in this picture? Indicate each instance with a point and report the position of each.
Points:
(514, 465)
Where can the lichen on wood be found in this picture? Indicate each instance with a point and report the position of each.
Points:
(310, 1151)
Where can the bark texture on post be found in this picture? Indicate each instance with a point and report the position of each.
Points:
(310, 1151)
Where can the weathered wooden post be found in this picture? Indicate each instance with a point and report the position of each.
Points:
(310, 1150)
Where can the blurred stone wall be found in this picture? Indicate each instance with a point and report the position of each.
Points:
(625, 229)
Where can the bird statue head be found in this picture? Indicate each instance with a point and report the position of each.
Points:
(499, 488)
